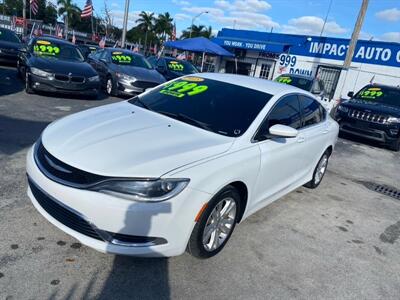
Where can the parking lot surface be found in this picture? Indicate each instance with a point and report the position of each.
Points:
(340, 241)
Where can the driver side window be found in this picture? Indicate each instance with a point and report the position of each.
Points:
(285, 112)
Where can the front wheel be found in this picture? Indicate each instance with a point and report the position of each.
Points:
(28, 88)
(216, 224)
(319, 171)
(110, 87)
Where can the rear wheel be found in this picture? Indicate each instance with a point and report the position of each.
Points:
(216, 224)
(319, 171)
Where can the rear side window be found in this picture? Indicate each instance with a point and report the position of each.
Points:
(285, 112)
(312, 111)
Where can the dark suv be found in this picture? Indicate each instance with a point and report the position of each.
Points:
(372, 113)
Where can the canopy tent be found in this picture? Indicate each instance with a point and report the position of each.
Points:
(199, 44)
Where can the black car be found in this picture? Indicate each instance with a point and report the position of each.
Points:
(307, 83)
(124, 72)
(9, 46)
(372, 113)
(172, 68)
(55, 65)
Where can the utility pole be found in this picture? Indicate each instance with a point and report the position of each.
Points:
(354, 36)
(125, 25)
(23, 15)
(194, 18)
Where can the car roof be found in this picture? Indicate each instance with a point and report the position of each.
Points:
(53, 39)
(263, 85)
(298, 76)
(382, 85)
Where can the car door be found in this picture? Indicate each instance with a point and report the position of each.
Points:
(280, 158)
(103, 61)
(314, 130)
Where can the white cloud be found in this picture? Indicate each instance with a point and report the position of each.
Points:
(390, 37)
(243, 5)
(114, 4)
(222, 4)
(181, 2)
(118, 18)
(199, 9)
(312, 25)
(181, 17)
(391, 15)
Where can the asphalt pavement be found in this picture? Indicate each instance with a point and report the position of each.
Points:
(340, 241)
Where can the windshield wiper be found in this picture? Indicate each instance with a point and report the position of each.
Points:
(186, 119)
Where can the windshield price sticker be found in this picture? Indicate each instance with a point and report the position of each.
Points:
(284, 79)
(121, 58)
(45, 49)
(175, 66)
(181, 89)
(371, 93)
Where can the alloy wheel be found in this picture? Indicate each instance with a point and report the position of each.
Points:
(321, 169)
(219, 224)
(109, 86)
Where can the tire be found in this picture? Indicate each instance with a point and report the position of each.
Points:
(111, 87)
(28, 88)
(395, 146)
(202, 245)
(319, 171)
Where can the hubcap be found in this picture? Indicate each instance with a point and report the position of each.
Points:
(109, 86)
(219, 224)
(321, 168)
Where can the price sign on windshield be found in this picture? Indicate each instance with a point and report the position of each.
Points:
(371, 93)
(45, 48)
(119, 57)
(284, 79)
(175, 66)
(187, 86)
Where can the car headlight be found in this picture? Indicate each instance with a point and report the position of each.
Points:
(94, 78)
(41, 73)
(343, 108)
(125, 77)
(393, 120)
(143, 190)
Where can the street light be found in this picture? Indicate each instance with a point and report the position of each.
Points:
(194, 18)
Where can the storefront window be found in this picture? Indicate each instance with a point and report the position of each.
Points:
(265, 71)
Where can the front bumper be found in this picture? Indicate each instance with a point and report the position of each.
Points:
(126, 87)
(170, 222)
(57, 86)
(8, 57)
(383, 133)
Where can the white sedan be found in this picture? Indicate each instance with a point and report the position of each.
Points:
(177, 167)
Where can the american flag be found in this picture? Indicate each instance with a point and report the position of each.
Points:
(102, 42)
(34, 6)
(73, 37)
(59, 31)
(87, 10)
(173, 36)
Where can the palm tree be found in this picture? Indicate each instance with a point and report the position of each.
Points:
(68, 8)
(146, 23)
(197, 31)
(163, 25)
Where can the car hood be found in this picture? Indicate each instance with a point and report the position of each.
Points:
(375, 107)
(141, 73)
(10, 45)
(124, 140)
(61, 66)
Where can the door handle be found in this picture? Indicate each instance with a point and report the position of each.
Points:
(301, 139)
(325, 131)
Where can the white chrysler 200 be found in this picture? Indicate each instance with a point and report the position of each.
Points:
(178, 166)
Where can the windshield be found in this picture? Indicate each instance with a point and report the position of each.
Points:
(301, 83)
(9, 36)
(129, 59)
(180, 66)
(382, 94)
(56, 50)
(223, 108)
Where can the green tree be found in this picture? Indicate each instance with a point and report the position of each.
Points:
(146, 24)
(197, 31)
(68, 8)
(163, 25)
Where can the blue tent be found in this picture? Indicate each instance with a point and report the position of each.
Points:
(198, 44)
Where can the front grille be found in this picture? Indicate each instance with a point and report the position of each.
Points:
(367, 116)
(144, 84)
(77, 79)
(66, 78)
(62, 214)
(61, 77)
(60, 172)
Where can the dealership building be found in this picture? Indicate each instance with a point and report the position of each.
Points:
(268, 55)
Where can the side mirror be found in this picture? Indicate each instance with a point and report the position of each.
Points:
(161, 69)
(279, 130)
(103, 60)
(350, 94)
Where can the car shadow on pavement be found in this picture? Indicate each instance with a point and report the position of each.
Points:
(133, 277)
(17, 134)
(9, 83)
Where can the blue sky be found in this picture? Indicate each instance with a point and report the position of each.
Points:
(382, 21)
